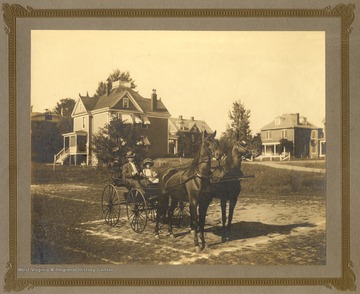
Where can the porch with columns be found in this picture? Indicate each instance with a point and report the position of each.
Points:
(270, 151)
(75, 146)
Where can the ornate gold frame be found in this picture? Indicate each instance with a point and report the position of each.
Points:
(343, 12)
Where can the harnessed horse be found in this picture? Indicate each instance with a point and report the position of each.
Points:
(190, 185)
(226, 185)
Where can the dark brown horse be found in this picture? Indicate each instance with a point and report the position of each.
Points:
(190, 185)
(226, 185)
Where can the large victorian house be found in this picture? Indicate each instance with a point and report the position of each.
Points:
(185, 135)
(90, 114)
(304, 136)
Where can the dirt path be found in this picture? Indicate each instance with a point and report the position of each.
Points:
(289, 167)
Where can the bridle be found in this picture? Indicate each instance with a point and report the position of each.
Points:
(210, 154)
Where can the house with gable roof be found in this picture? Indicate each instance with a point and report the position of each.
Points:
(90, 114)
(184, 133)
(304, 136)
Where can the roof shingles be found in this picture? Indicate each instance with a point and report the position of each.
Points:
(111, 100)
(287, 121)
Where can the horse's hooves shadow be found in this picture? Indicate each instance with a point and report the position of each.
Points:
(246, 230)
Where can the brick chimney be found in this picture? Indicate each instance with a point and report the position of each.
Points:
(108, 87)
(180, 117)
(192, 118)
(153, 100)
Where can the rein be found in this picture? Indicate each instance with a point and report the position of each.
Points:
(197, 174)
(232, 179)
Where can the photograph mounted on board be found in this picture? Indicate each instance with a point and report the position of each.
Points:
(178, 147)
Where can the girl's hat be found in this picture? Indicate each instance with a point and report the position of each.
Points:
(148, 160)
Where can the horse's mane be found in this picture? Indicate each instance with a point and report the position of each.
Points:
(196, 160)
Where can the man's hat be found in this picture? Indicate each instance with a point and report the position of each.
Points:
(130, 154)
(148, 160)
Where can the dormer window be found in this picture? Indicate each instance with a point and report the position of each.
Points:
(126, 103)
(277, 121)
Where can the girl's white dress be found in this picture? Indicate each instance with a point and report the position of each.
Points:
(151, 175)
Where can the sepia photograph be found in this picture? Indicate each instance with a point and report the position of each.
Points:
(178, 147)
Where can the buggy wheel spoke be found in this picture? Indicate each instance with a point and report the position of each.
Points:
(136, 210)
(110, 205)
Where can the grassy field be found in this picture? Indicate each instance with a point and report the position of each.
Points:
(267, 182)
(307, 163)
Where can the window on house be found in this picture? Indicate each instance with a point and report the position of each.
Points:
(313, 148)
(268, 134)
(284, 134)
(83, 122)
(126, 103)
(313, 134)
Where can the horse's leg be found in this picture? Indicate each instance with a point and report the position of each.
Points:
(194, 221)
(223, 217)
(233, 201)
(174, 203)
(203, 207)
(160, 211)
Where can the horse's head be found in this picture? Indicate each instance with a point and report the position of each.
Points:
(237, 154)
(211, 146)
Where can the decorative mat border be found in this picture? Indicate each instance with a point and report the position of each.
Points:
(344, 12)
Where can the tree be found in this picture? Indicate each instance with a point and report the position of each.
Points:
(189, 143)
(64, 108)
(116, 75)
(255, 145)
(46, 140)
(113, 141)
(238, 131)
(285, 145)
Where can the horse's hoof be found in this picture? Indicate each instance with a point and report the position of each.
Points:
(197, 249)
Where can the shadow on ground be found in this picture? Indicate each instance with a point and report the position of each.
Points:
(246, 230)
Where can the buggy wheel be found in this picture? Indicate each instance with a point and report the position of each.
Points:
(110, 204)
(182, 215)
(136, 209)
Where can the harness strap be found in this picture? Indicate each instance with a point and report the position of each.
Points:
(179, 184)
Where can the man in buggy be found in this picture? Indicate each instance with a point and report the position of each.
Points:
(132, 174)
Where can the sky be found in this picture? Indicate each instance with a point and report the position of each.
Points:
(195, 73)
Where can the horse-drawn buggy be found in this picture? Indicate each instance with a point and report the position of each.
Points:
(196, 185)
(140, 205)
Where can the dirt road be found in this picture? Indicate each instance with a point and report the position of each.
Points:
(266, 230)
